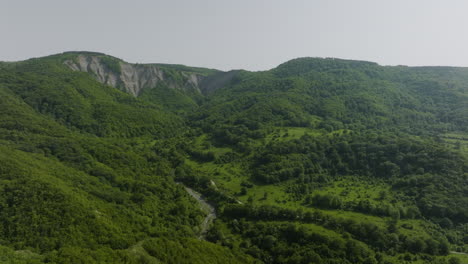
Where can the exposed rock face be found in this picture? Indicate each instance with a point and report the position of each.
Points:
(132, 78)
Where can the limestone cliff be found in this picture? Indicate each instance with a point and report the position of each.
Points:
(134, 78)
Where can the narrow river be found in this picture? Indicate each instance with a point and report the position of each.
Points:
(206, 207)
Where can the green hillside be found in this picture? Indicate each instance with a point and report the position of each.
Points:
(339, 144)
(315, 161)
(85, 172)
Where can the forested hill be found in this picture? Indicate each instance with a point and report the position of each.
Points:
(314, 161)
(337, 94)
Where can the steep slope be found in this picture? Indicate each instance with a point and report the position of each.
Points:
(176, 87)
(85, 173)
(79, 102)
(131, 78)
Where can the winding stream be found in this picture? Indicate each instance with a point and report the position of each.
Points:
(206, 207)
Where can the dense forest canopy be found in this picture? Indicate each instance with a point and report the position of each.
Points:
(315, 161)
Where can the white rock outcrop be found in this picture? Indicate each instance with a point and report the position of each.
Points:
(132, 78)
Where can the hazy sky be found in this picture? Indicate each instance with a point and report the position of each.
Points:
(248, 34)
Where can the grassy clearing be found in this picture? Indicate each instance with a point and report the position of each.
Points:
(203, 143)
(230, 177)
(462, 257)
(234, 178)
(226, 176)
(291, 133)
(353, 188)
